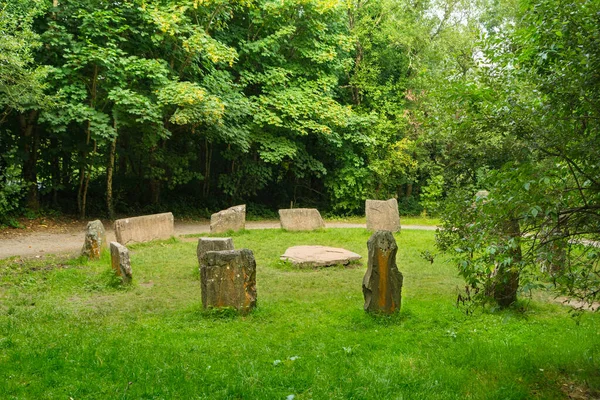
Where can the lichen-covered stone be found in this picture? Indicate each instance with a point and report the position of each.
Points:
(382, 215)
(145, 228)
(206, 244)
(382, 284)
(119, 258)
(95, 240)
(301, 219)
(228, 279)
(232, 219)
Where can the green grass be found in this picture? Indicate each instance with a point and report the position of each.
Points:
(67, 331)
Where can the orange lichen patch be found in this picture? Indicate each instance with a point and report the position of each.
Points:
(383, 295)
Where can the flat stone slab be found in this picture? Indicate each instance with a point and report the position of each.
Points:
(318, 256)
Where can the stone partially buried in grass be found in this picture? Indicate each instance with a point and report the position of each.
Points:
(318, 256)
(144, 228)
(301, 219)
(234, 219)
(95, 240)
(119, 259)
(228, 279)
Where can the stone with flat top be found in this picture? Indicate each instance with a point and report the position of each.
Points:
(318, 256)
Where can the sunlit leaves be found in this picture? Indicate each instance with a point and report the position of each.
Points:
(203, 45)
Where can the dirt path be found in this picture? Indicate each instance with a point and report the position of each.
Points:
(69, 240)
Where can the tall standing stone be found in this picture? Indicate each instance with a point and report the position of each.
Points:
(212, 244)
(382, 284)
(382, 215)
(232, 219)
(228, 279)
(300, 219)
(95, 239)
(119, 259)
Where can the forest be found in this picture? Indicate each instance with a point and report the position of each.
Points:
(485, 112)
(111, 107)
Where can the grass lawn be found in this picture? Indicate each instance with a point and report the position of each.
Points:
(66, 331)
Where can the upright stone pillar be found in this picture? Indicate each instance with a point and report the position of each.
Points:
(228, 279)
(95, 240)
(382, 284)
(207, 244)
(234, 219)
(119, 259)
(382, 215)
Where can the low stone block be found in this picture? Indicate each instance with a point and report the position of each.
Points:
(95, 240)
(228, 279)
(234, 219)
(382, 283)
(318, 256)
(212, 244)
(119, 259)
(145, 228)
(382, 215)
(301, 219)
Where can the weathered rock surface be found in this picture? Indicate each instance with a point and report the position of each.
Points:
(301, 219)
(212, 244)
(228, 279)
(382, 284)
(95, 240)
(119, 259)
(234, 219)
(318, 256)
(144, 228)
(382, 215)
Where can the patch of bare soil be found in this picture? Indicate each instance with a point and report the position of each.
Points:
(29, 226)
(577, 391)
(578, 305)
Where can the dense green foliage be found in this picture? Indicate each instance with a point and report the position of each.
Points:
(527, 130)
(67, 331)
(147, 105)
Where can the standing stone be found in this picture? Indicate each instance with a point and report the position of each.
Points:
(382, 284)
(95, 240)
(301, 219)
(232, 219)
(382, 215)
(212, 244)
(119, 259)
(228, 279)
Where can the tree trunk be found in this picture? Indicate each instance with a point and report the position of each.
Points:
(207, 161)
(155, 191)
(28, 125)
(506, 279)
(109, 176)
(84, 179)
(55, 167)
